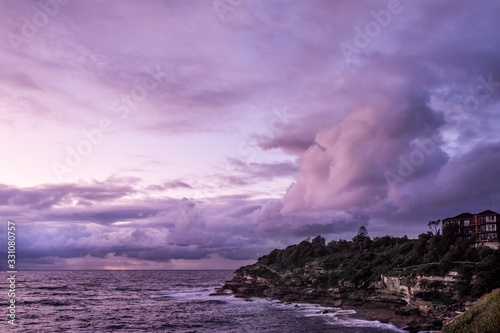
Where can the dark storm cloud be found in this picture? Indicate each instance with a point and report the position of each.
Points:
(46, 196)
(402, 130)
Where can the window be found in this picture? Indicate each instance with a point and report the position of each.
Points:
(467, 231)
(491, 218)
(466, 223)
(492, 236)
(482, 228)
(491, 227)
(481, 219)
(482, 237)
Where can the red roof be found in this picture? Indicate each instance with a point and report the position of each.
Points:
(488, 212)
(470, 216)
(464, 216)
(461, 216)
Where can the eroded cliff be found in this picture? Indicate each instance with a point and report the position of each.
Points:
(424, 302)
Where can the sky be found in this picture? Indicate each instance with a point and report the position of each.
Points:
(162, 134)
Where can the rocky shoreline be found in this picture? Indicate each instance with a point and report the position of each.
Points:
(390, 301)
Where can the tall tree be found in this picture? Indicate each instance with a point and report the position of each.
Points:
(362, 234)
(434, 226)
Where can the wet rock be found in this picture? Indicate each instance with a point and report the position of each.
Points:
(432, 299)
(407, 311)
(337, 303)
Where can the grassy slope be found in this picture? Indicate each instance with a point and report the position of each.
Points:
(483, 317)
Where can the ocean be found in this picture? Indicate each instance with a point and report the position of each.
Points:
(158, 301)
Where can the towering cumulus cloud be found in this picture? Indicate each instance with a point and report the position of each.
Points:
(354, 162)
(410, 119)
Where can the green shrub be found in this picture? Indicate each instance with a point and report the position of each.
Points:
(364, 260)
(484, 316)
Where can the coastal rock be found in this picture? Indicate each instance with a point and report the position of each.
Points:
(337, 303)
(409, 301)
(407, 311)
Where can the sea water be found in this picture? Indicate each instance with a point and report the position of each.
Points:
(158, 301)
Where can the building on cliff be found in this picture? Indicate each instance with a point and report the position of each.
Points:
(482, 228)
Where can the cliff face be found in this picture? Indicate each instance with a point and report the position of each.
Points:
(433, 298)
(410, 280)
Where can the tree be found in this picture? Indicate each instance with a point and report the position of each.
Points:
(450, 235)
(362, 232)
(319, 240)
(434, 226)
(361, 241)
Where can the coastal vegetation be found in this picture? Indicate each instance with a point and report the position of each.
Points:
(419, 284)
(481, 317)
(363, 260)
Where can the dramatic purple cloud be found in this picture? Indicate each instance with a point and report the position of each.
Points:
(176, 134)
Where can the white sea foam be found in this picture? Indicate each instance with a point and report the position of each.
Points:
(335, 316)
(339, 317)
